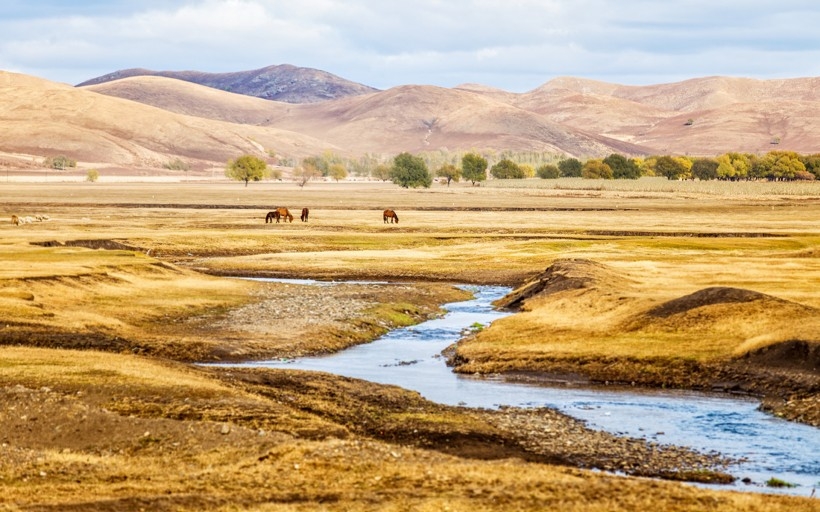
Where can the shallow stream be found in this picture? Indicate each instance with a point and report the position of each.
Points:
(411, 358)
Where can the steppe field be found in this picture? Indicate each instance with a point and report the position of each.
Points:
(120, 286)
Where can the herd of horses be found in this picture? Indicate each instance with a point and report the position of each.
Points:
(283, 214)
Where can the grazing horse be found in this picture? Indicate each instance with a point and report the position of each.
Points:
(305, 213)
(283, 213)
(15, 220)
(390, 214)
(271, 216)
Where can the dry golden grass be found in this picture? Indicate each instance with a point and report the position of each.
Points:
(104, 372)
(211, 458)
(658, 248)
(670, 245)
(628, 316)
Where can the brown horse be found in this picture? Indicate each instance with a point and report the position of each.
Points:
(305, 213)
(391, 215)
(271, 216)
(283, 213)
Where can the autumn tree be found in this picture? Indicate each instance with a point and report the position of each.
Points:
(247, 168)
(410, 171)
(779, 165)
(733, 166)
(669, 167)
(473, 167)
(596, 170)
(450, 172)
(337, 172)
(527, 170)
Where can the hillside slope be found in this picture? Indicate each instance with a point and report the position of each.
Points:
(405, 118)
(43, 118)
(571, 116)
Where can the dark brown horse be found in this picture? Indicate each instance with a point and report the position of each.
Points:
(391, 215)
(305, 213)
(271, 216)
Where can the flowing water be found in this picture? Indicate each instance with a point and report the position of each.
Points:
(411, 358)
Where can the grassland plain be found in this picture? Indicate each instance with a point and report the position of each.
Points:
(104, 303)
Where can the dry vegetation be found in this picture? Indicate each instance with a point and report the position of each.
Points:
(660, 283)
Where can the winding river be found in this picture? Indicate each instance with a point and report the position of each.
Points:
(411, 358)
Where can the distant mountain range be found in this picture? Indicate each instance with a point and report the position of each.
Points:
(284, 82)
(136, 118)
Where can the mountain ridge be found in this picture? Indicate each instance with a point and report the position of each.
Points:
(151, 119)
(282, 82)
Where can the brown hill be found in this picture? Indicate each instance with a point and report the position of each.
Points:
(287, 83)
(43, 118)
(192, 99)
(727, 114)
(750, 127)
(427, 118)
(577, 117)
(145, 120)
(406, 118)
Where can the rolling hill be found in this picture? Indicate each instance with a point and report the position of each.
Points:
(406, 118)
(574, 116)
(146, 120)
(43, 118)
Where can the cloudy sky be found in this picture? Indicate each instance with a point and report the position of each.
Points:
(515, 45)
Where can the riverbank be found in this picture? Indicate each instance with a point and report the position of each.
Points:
(588, 322)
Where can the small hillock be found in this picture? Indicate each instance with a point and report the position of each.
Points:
(563, 275)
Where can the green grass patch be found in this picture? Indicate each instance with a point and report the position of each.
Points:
(778, 483)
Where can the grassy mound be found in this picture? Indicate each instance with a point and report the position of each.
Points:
(563, 275)
(588, 318)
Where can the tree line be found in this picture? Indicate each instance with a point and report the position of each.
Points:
(418, 170)
(772, 166)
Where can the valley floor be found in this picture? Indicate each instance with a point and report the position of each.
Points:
(107, 303)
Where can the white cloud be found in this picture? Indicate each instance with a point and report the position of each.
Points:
(516, 45)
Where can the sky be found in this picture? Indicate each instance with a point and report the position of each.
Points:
(515, 45)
